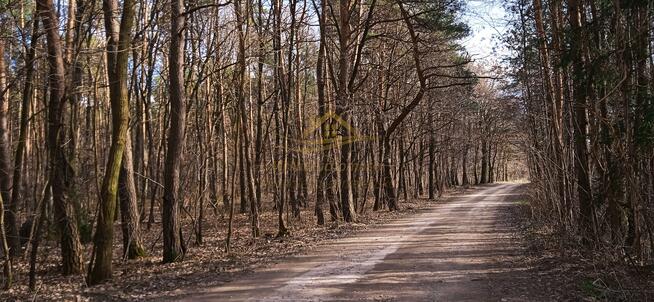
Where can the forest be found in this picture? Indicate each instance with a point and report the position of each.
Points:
(152, 139)
(584, 70)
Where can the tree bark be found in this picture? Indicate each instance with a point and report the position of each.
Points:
(432, 169)
(28, 92)
(5, 248)
(172, 247)
(129, 213)
(580, 95)
(343, 110)
(322, 183)
(118, 44)
(10, 208)
(61, 173)
(279, 97)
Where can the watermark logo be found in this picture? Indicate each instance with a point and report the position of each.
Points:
(337, 131)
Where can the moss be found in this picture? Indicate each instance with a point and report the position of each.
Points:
(137, 252)
(589, 288)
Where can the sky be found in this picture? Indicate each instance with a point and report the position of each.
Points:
(487, 20)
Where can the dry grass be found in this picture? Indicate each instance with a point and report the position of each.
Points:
(575, 273)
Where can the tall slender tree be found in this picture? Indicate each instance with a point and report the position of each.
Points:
(172, 250)
(60, 170)
(118, 46)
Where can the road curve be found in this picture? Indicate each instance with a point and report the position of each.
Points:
(461, 249)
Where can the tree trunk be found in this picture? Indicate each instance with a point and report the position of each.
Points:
(474, 164)
(118, 44)
(322, 183)
(172, 241)
(432, 169)
(387, 178)
(283, 138)
(61, 173)
(575, 11)
(464, 166)
(129, 214)
(386, 138)
(35, 233)
(28, 92)
(3, 240)
(343, 110)
(240, 77)
(10, 223)
(484, 162)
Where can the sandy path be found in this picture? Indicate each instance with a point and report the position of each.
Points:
(461, 249)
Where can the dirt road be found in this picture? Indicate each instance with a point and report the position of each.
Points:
(461, 249)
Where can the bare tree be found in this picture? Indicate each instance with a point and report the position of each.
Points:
(175, 142)
(60, 170)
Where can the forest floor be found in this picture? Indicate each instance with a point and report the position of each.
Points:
(475, 245)
(571, 273)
